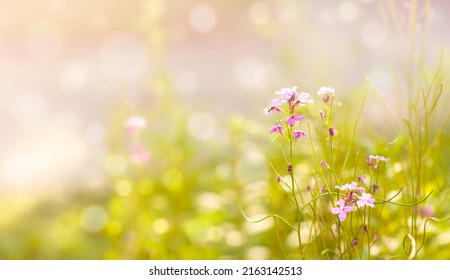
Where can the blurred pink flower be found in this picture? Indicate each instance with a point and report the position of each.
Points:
(325, 92)
(274, 107)
(135, 124)
(365, 200)
(342, 210)
(427, 211)
(302, 97)
(375, 188)
(292, 120)
(332, 131)
(324, 164)
(355, 242)
(322, 115)
(353, 186)
(378, 158)
(287, 93)
(373, 160)
(297, 134)
(278, 127)
(140, 156)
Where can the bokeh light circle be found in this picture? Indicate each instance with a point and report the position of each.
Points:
(94, 218)
(201, 125)
(203, 18)
(123, 56)
(18, 170)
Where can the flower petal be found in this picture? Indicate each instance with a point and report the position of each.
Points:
(342, 216)
(336, 210)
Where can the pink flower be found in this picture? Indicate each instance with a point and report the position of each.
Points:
(135, 124)
(324, 164)
(322, 115)
(365, 200)
(274, 107)
(287, 93)
(379, 158)
(361, 179)
(342, 210)
(375, 188)
(427, 211)
(278, 127)
(289, 167)
(292, 120)
(140, 156)
(302, 97)
(297, 134)
(355, 242)
(325, 91)
(332, 131)
(353, 186)
(373, 160)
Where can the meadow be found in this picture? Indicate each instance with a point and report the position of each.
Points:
(312, 164)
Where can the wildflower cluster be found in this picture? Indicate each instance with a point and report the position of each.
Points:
(372, 161)
(326, 92)
(289, 99)
(355, 196)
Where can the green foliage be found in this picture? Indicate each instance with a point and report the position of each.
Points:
(217, 197)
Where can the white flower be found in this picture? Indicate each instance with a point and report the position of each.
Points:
(325, 90)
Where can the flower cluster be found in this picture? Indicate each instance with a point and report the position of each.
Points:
(354, 197)
(372, 161)
(325, 93)
(290, 99)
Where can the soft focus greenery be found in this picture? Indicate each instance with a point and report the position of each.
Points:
(196, 197)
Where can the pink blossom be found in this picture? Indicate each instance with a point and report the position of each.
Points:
(379, 158)
(135, 124)
(322, 115)
(355, 242)
(289, 167)
(427, 211)
(375, 188)
(287, 93)
(332, 131)
(324, 164)
(365, 200)
(373, 160)
(274, 107)
(278, 127)
(140, 156)
(302, 97)
(353, 186)
(292, 120)
(342, 210)
(297, 134)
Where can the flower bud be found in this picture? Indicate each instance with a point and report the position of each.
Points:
(322, 115)
(374, 188)
(332, 131)
(354, 242)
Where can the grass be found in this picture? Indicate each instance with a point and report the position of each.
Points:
(234, 196)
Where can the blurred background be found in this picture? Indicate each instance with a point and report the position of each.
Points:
(74, 184)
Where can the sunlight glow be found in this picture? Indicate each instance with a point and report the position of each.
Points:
(45, 40)
(203, 18)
